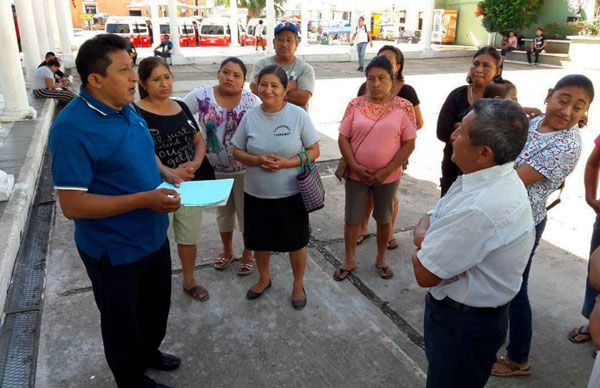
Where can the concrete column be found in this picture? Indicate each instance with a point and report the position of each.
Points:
(428, 6)
(39, 14)
(270, 12)
(65, 27)
(233, 23)
(304, 23)
(29, 42)
(16, 103)
(174, 27)
(155, 23)
(51, 26)
(590, 10)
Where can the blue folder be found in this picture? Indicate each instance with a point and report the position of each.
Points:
(210, 193)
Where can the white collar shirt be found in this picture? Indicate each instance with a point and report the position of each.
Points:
(480, 238)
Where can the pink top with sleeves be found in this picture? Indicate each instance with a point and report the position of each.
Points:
(597, 142)
(381, 145)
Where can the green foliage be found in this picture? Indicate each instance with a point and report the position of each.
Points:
(562, 30)
(503, 15)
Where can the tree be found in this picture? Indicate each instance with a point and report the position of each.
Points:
(255, 7)
(502, 15)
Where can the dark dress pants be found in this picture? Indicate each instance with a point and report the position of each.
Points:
(461, 347)
(134, 301)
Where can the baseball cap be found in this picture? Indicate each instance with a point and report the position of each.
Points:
(286, 26)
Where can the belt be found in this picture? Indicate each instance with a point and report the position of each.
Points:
(454, 305)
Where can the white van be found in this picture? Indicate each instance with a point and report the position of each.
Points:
(134, 28)
(216, 32)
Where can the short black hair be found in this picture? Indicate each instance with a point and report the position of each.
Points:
(49, 53)
(577, 80)
(540, 28)
(275, 70)
(399, 59)
(53, 62)
(92, 56)
(381, 62)
(238, 62)
(498, 87)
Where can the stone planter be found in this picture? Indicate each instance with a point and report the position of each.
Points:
(584, 51)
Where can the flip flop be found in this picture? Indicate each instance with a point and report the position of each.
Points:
(385, 272)
(514, 368)
(362, 238)
(245, 269)
(222, 263)
(199, 293)
(341, 274)
(392, 244)
(578, 335)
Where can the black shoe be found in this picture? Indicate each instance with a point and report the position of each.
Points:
(165, 362)
(360, 69)
(158, 385)
(299, 304)
(250, 295)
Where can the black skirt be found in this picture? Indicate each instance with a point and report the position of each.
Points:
(279, 225)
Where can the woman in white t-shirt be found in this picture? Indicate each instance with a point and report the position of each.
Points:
(361, 37)
(220, 109)
(268, 141)
(45, 86)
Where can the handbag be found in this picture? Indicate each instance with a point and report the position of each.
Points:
(310, 184)
(206, 171)
(342, 168)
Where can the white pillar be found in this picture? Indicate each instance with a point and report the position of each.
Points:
(65, 27)
(155, 22)
(304, 22)
(29, 43)
(174, 27)
(233, 23)
(39, 14)
(51, 25)
(16, 104)
(427, 26)
(270, 12)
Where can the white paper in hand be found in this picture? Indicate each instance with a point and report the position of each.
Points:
(212, 193)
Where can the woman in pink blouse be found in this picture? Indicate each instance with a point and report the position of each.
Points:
(509, 43)
(377, 136)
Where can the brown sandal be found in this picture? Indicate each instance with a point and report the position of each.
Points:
(514, 369)
(222, 262)
(392, 244)
(199, 293)
(341, 274)
(385, 272)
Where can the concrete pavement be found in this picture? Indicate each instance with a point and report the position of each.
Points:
(361, 332)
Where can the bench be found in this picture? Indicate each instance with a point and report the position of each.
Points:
(546, 58)
(554, 46)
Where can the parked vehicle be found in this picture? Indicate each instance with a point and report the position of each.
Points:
(408, 36)
(216, 32)
(135, 28)
(188, 32)
(341, 31)
(251, 27)
(387, 32)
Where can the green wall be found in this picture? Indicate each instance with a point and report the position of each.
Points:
(471, 32)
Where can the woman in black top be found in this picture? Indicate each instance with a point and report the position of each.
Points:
(408, 93)
(486, 65)
(180, 146)
(400, 88)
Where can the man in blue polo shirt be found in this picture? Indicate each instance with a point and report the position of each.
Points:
(105, 173)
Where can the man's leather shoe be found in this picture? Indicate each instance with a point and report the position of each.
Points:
(165, 362)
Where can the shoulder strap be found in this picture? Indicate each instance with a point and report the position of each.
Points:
(373, 125)
(188, 113)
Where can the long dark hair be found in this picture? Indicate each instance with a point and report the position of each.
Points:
(276, 71)
(238, 62)
(576, 80)
(399, 59)
(494, 54)
(381, 62)
(145, 69)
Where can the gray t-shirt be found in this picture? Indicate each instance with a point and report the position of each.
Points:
(39, 79)
(296, 71)
(284, 133)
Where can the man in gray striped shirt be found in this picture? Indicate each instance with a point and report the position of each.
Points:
(472, 248)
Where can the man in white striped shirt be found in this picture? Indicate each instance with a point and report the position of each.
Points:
(472, 248)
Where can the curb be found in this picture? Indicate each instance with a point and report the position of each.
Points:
(14, 218)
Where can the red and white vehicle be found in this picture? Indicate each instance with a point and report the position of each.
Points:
(134, 28)
(188, 30)
(216, 32)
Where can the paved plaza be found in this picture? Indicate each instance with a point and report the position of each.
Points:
(361, 332)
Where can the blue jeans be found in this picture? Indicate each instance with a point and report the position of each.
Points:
(461, 347)
(361, 48)
(590, 293)
(520, 331)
